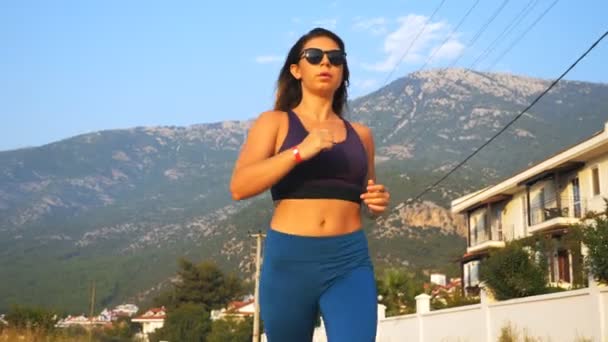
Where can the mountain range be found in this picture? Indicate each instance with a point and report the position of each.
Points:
(119, 207)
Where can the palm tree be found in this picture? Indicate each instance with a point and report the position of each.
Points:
(397, 290)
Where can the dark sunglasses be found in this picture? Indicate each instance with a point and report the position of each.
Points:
(315, 56)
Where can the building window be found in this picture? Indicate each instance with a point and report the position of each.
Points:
(479, 227)
(595, 178)
(471, 273)
(474, 280)
(481, 231)
(563, 266)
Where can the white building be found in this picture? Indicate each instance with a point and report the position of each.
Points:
(151, 320)
(236, 310)
(125, 310)
(438, 279)
(546, 198)
(83, 320)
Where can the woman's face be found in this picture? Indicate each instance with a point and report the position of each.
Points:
(316, 70)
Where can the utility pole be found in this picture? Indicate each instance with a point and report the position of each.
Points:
(92, 306)
(256, 295)
(91, 310)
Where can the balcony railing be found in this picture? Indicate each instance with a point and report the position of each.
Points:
(567, 206)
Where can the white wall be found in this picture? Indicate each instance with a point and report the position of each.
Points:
(565, 316)
(557, 317)
(402, 328)
(604, 306)
(150, 327)
(560, 317)
(456, 324)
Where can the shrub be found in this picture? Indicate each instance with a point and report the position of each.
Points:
(511, 272)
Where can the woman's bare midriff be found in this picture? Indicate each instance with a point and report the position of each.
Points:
(316, 217)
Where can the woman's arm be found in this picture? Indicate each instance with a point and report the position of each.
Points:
(377, 196)
(366, 137)
(257, 168)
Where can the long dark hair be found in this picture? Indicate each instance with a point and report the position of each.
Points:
(289, 89)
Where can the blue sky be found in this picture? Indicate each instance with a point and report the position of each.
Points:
(72, 67)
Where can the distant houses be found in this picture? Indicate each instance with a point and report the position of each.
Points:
(106, 317)
(153, 318)
(150, 320)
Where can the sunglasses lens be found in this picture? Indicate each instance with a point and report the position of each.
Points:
(313, 56)
(336, 57)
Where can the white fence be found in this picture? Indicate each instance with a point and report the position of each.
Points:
(572, 316)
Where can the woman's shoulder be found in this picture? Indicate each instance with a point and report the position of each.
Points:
(271, 115)
(270, 118)
(364, 132)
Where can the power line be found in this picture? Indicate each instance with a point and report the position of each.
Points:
(505, 32)
(514, 23)
(484, 27)
(429, 188)
(450, 35)
(471, 42)
(481, 30)
(443, 43)
(523, 34)
(413, 41)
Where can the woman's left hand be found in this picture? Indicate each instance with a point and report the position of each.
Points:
(376, 198)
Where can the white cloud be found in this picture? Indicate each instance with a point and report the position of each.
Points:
(329, 24)
(450, 49)
(397, 43)
(296, 20)
(374, 26)
(268, 59)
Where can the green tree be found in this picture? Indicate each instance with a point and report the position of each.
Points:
(198, 290)
(22, 317)
(398, 290)
(595, 237)
(204, 284)
(512, 272)
(231, 330)
(166, 298)
(188, 322)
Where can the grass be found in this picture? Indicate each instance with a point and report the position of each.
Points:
(30, 335)
(8, 334)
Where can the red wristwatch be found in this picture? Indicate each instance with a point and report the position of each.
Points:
(296, 154)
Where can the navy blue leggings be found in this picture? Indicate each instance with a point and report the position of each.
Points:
(303, 277)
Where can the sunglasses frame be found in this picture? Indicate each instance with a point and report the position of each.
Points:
(331, 56)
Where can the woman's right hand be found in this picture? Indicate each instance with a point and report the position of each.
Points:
(317, 140)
